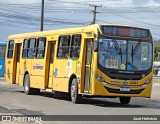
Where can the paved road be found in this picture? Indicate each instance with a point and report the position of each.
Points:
(14, 101)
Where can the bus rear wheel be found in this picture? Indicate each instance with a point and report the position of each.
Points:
(124, 100)
(75, 97)
(27, 89)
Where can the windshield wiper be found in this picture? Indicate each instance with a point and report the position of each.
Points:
(120, 53)
(116, 45)
(136, 48)
(134, 51)
(118, 48)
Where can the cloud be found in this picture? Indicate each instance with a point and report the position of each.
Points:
(151, 4)
(73, 3)
(21, 1)
(108, 3)
(114, 3)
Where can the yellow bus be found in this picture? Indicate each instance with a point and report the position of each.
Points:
(95, 61)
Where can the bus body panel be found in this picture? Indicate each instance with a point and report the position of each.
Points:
(37, 73)
(63, 69)
(9, 71)
(2, 63)
(2, 57)
(101, 91)
(99, 88)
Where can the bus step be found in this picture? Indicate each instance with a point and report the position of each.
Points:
(86, 94)
(49, 90)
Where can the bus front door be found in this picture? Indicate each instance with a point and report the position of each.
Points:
(18, 51)
(51, 64)
(87, 68)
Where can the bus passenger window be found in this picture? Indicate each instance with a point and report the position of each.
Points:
(75, 46)
(25, 47)
(63, 47)
(2, 51)
(10, 49)
(41, 43)
(31, 48)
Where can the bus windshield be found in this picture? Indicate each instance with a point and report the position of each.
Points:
(128, 55)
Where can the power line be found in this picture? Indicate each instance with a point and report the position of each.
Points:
(131, 18)
(17, 16)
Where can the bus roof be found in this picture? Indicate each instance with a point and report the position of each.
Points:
(123, 25)
(55, 32)
(3, 43)
(65, 31)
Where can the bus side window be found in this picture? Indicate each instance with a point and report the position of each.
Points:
(10, 49)
(41, 44)
(25, 48)
(63, 47)
(75, 46)
(2, 51)
(31, 48)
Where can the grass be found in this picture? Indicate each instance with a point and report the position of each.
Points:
(156, 80)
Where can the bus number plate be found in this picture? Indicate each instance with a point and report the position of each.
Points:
(124, 89)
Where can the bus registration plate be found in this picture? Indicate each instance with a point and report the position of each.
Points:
(124, 89)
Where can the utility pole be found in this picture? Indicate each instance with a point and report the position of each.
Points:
(42, 15)
(94, 12)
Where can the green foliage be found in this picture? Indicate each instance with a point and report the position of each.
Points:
(156, 45)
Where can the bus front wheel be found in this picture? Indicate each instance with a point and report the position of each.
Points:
(75, 97)
(124, 100)
(27, 88)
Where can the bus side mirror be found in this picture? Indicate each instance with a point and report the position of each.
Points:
(95, 45)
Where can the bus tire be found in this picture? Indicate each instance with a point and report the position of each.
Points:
(124, 100)
(27, 89)
(75, 97)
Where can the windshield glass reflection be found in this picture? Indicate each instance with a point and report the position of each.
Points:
(124, 54)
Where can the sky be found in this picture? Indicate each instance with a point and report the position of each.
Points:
(22, 16)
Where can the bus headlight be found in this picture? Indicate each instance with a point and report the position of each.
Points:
(99, 78)
(146, 83)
